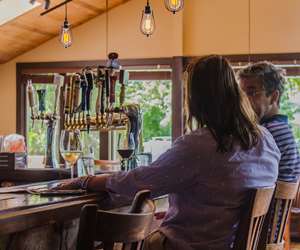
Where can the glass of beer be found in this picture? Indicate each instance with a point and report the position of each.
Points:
(70, 148)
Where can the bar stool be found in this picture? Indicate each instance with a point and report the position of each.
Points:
(277, 218)
(110, 227)
(252, 219)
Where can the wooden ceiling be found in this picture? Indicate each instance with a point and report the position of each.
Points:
(30, 29)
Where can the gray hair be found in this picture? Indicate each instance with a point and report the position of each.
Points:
(271, 76)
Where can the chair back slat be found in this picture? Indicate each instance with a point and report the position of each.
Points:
(287, 205)
(110, 227)
(252, 219)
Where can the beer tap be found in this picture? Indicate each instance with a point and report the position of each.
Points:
(99, 84)
(84, 86)
(113, 64)
(107, 90)
(67, 106)
(113, 80)
(102, 100)
(89, 77)
(58, 81)
(30, 92)
(51, 119)
(42, 105)
(122, 92)
(76, 98)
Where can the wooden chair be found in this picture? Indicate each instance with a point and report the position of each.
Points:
(112, 227)
(252, 219)
(275, 224)
(294, 224)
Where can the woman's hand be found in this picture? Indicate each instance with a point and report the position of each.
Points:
(90, 183)
(77, 183)
(67, 185)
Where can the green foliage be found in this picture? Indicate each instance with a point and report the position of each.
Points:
(154, 98)
(289, 108)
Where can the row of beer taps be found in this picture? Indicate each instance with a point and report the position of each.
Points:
(77, 98)
(78, 113)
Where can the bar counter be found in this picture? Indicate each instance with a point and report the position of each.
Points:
(30, 221)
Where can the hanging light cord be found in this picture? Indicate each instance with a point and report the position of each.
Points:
(249, 31)
(106, 27)
(66, 11)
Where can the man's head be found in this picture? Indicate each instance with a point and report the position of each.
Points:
(264, 84)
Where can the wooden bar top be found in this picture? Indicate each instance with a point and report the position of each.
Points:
(22, 211)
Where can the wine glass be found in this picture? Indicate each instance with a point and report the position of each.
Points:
(70, 148)
(126, 147)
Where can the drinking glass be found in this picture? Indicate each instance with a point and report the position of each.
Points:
(70, 148)
(87, 160)
(126, 147)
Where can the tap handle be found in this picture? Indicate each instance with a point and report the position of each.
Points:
(112, 98)
(67, 107)
(42, 96)
(58, 81)
(90, 83)
(83, 93)
(30, 92)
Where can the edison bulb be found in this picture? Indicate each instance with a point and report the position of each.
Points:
(147, 22)
(66, 35)
(174, 5)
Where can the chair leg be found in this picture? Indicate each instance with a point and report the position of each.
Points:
(108, 245)
(287, 235)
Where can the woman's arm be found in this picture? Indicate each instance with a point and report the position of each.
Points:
(90, 183)
(172, 172)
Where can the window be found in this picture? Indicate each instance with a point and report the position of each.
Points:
(37, 130)
(143, 74)
(36, 133)
(11, 9)
(154, 98)
(290, 104)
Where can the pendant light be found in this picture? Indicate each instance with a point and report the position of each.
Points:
(249, 31)
(66, 33)
(174, 5)
(147, 25)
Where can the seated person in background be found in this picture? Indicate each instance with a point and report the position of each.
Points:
(206, 173)
(263, 83)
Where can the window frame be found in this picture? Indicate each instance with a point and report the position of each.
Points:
(25, 71)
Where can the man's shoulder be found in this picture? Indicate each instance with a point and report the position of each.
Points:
(277, 126)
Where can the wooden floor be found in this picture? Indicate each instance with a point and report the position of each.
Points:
(295, 246)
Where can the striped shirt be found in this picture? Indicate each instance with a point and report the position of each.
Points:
(289, 165)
